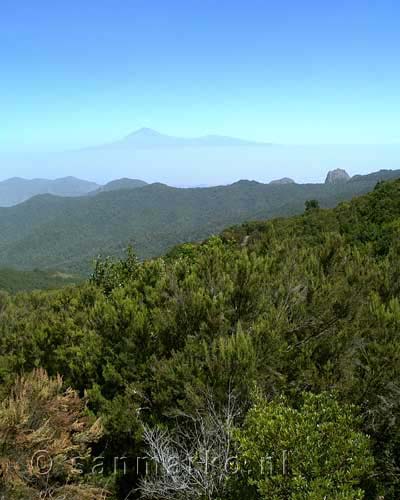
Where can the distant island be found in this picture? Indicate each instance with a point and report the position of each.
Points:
(149, 138)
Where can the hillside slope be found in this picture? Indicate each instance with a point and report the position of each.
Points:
(294, 320)
(64, 233)
(13, 281)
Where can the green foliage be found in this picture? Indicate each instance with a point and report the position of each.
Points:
(314, 451)
(311, 205)
(307, 304)
(110, 273)
(14, 281)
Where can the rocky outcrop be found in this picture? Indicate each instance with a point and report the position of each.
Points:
(338, 176)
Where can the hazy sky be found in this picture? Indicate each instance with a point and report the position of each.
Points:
(75, 73)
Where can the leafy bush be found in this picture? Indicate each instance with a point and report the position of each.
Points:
(315, 451)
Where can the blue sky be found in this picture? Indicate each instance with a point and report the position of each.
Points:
(76, 73)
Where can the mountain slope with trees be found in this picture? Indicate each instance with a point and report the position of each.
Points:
(67, 234)
(275, 339)
(14, 281)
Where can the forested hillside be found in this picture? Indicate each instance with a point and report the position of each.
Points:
(13, 281)
(50, 232)
(262, 364)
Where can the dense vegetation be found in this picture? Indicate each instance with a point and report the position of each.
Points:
(276, 343)
(50, 232)
(13, 281)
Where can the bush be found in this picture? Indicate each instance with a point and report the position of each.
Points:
(311, 452)
(43, 438)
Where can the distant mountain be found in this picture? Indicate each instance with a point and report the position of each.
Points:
(209, 160)
(122, 184)
(52, 232)
(382, 175)
(148, 139)
(17, 190)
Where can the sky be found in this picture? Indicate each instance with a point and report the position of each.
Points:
(80, 73)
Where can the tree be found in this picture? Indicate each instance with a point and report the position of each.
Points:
(311, 205)
(112, 273)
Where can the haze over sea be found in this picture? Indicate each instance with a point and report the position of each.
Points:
(78, 74)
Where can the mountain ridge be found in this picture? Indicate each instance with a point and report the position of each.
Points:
(52, 232)
(16, 190)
